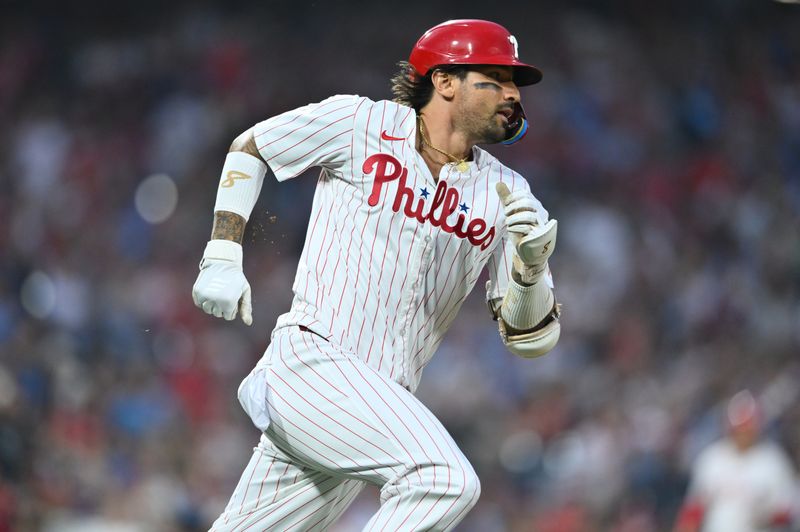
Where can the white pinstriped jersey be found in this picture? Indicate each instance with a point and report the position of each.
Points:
(390, 253)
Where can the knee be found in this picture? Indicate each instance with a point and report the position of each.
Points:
(470, 488)
(458, 483)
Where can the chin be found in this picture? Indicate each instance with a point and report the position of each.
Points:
(494, 135)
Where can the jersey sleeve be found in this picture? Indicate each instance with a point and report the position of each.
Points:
(500, 262)
(319, 134)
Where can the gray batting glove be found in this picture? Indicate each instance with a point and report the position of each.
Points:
(221, 288)
(534, 242)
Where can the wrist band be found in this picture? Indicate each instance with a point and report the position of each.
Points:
(222, 250)
(240, 183)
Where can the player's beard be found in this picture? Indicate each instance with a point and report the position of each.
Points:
(484, 127)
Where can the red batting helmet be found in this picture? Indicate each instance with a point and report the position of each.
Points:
(471, 42)
(476, 42)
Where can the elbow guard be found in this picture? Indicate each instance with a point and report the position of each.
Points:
(535, 343)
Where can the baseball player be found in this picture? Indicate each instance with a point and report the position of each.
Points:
(407, 213)
(740, 484)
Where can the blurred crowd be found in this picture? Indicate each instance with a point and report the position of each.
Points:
(665, 138)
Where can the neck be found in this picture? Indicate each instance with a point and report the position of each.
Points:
(441, 135)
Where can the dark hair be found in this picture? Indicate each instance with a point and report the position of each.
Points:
(413, 90)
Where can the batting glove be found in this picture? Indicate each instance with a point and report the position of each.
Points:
(221, 288)
(534, 242)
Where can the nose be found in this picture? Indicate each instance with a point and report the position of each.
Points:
(510, 92)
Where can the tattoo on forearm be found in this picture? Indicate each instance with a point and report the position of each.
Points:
(228, 226)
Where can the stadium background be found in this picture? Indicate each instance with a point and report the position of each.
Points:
(665, 138)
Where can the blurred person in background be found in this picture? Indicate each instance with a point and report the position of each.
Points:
(741, 483)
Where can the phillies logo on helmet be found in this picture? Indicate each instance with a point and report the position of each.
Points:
(515, 44)
(445, 201)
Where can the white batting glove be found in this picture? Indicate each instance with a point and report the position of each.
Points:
(534, 242)
(221, 288)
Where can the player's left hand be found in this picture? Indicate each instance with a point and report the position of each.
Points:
(534, 242)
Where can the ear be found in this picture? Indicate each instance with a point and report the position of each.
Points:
(444, 84)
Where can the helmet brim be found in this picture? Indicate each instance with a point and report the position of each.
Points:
(523, 74)
(526, 75)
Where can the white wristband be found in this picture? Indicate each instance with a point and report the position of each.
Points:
(524, 307)
(240, 183)
(222, 250)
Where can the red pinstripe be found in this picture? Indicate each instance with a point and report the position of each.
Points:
(312, 232)
(452, 309)
(291, 526)
(383, 258)
(462, 247)
(293, 511)
(506, 266)
(278, 483)
(352, 197)
(294, 496)
(312, 448)
(372, 249)
(361, 239)
(380, 396)
(319, 106)
(320, 427)
(369, 406)
(463, 466)
(301, 126)
(255, 508)
(309, 137)
(400, 527)
(321, 156)
(345, 411)
(396, 264)
(343, 497)
(244, 497)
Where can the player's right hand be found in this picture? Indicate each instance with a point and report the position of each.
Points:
(221, 288)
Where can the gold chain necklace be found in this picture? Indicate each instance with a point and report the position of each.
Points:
(460, 163)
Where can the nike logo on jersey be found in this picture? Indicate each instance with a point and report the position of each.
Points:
(231, 178)
(445, 200)
(386, 136)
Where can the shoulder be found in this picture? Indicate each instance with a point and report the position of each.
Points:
(387, 108)
(334, 112)
(339, 103)
(389, 115)
(331, 105)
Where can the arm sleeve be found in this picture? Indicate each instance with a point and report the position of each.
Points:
(318, 134)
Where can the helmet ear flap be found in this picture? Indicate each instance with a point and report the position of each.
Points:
(517, 125)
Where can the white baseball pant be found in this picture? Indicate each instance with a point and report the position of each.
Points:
(337, 424)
